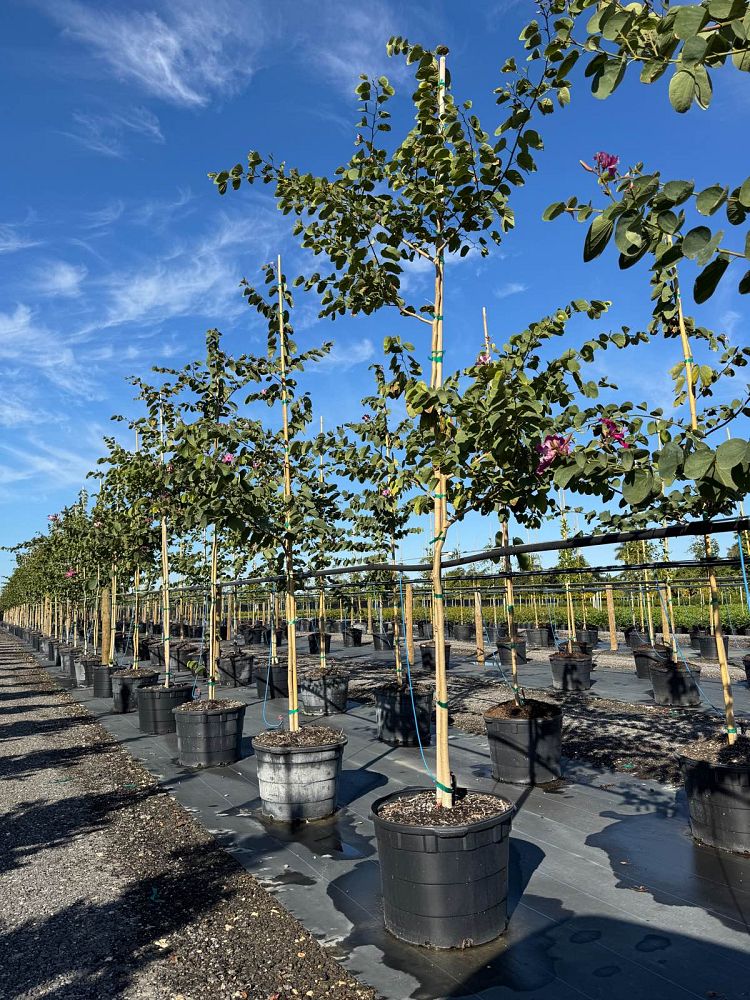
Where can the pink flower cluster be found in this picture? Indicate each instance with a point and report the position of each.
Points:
(606, 163)
(70, 573)
(552, 448)
(54, 518)
(611, 432)
(228, 458)
(483, 359)
(386, 492)
(366, 418)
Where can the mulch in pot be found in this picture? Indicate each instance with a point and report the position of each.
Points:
(393, 686)
(716, 750)
(330, 673)
(422, 810)
(529, 710)
(134, 673)
(210, 705)
(307, 736)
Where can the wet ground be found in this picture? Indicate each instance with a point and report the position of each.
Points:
(610, 898)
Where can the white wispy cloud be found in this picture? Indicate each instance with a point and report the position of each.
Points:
(510, 288)
(106, 134)
(30, 345)
(13, 238)
(181, 53)
(59, 278)
(104, 217)
(346, 354)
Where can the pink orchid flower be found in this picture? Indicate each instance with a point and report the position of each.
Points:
(606, 164)
(611, 432)
(228, 458)
(366, 418)
(386, 492)
(483, 359)
(70, 573)
(53, 517)
(553, 446)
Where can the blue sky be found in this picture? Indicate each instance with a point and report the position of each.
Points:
(116, 252)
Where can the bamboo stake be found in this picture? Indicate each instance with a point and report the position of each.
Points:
(213, 638)
(290, 599)
(611, 617)
(113, 619)
(479, 626)
(715, 617)
(106, 613)
(510, 616)
(409, 622)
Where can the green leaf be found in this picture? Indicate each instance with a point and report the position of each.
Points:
(731, 453)
(637, 486)
(689, 21)
(709, 278)
(711, 199)
(682, 88)
(606, 82)
(744, 285)
(552, 211)
(696, 240)
(726, 10)
(698, 464)
(597, 237)
(670, 460)
(678, 191)
(744, 194)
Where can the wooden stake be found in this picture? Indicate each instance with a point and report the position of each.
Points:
(106, 615)
(479, 627)
(611, 617)
(409, 622)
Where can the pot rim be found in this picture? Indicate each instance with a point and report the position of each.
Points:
(181, 686)
(686, 761)
(437, 831)
(495, 719)
(284, 751)
(675, 665)
(209, 711)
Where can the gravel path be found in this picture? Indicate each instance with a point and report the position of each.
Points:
(108, 888)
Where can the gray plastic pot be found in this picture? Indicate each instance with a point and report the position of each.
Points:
(382, 641)
(708, 646)
(505, 651)
(588, 635)
(444, 887)
(103, 681)
(394, 715)
(352, 636)
(571, 672)
(646, 656)
(525, 751)
(323, 695)
(299, 783)
(125, 690)
(156, 707)
(540, 637)
(463, 633)
(718, 797)
(210, 737)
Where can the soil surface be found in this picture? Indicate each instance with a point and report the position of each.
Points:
(135, 673)
(109, 889)
(211, 705)
(307, 736)
(718, 751)
(529, 710)
(422, 810)
(330, 674)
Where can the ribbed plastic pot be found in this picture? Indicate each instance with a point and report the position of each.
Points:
(382, 641)
(156, 707)
(696, 635)
(444, 887)
(675, 686)
(746, 665)
(541, 637)
(299, 783)
(209, 738)
(588, 635)
(707, 644)
(425, 630)
(718, 797)
(156, 655)
(49, 650)
(394, 716)
(89, 664)
(352, 636)
(323, 695)
(266, 636)
(102, 681)
(634, 638)
(570, 673)
(125, 690)
(236, 670)
(525, 751)
(313, 641)
(427, 652)
(463, 633)
(504, 651)
(278, 681)
(646, 656)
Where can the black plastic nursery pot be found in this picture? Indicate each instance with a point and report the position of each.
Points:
(236, 669)
(277, 681)
(394, 715)
(708, 646)
(209, 737)
(427, 652)
(541, 637)
(125, 686)
(324, 693)
(635, 638)
(103, 681)
(718, 797)
(505, 651)
(299, 783)
(525, 742)
(156, 707)
(424, 630)
(444, 887)
(588, 635)
(463, 633)
(313, 641)
(646, 656)
(352, 636)
(266, 636)
(571, 671)
(746, 665)
(85, 668)
(382, 641)
(676, 686)
(696, 634)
